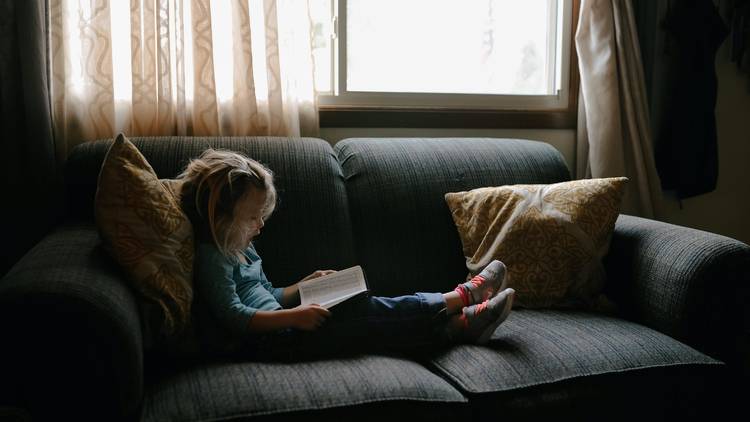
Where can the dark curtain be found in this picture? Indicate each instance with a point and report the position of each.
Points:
(679, 40)
(30, 179)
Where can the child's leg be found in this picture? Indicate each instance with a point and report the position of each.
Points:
(404, 323)
(485, 285)
(453, 302)
(478, 322)
(367, 324)
(392, 323)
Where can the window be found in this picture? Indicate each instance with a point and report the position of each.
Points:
(443, 54)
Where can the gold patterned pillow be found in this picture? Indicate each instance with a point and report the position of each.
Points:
(145, 230)
(551, 237)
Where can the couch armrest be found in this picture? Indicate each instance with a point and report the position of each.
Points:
(72, 340)
(690, 284)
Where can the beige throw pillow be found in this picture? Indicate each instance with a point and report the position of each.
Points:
(145, 230)
(552, 238)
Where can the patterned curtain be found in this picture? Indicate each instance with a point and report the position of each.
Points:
(180, 67)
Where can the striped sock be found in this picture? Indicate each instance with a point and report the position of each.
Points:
(463, 293)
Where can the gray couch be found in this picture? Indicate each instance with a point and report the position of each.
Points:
(77, 342)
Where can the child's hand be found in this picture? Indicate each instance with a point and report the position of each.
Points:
(309, 317)
(318, 273)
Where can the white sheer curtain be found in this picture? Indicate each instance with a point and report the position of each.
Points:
(614, 138)
(180, 67)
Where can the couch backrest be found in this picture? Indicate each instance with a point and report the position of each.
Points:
(404, 234)
(310, 229)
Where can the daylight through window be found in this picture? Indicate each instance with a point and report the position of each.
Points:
(453, 53)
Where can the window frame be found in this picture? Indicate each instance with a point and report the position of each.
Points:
(340, 112)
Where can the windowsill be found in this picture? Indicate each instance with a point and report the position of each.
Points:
(337, 116)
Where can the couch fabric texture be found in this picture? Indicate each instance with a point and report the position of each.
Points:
(79, 344)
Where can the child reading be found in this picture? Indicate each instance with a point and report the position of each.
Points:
(228, 197)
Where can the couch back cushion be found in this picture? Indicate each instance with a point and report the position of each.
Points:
(405, 237)
(310, 228)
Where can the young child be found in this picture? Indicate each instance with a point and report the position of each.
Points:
(228, 197)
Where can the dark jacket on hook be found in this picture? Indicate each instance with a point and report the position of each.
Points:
(686, 148)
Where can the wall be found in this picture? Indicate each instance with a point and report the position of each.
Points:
(725, 211)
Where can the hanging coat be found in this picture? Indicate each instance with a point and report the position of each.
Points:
(686, 150)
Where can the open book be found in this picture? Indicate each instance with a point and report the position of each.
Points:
(332, 289)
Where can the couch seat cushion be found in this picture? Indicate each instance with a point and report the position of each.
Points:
(236, 390)
(534, 347)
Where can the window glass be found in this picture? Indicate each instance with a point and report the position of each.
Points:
(450, 46)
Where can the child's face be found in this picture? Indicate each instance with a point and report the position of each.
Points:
(248, 215)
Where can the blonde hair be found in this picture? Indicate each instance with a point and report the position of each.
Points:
(212, 185)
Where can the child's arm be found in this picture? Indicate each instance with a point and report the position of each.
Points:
(308, 318)
(214, 282)
(216, 285)
(288, 297)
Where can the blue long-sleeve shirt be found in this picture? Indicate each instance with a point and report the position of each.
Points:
(233, 291)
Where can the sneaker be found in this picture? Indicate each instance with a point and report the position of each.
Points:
(485, 285)
(482, 320)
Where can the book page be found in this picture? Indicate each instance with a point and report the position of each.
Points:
(332, 289)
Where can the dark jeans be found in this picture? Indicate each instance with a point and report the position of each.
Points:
(403, 324)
